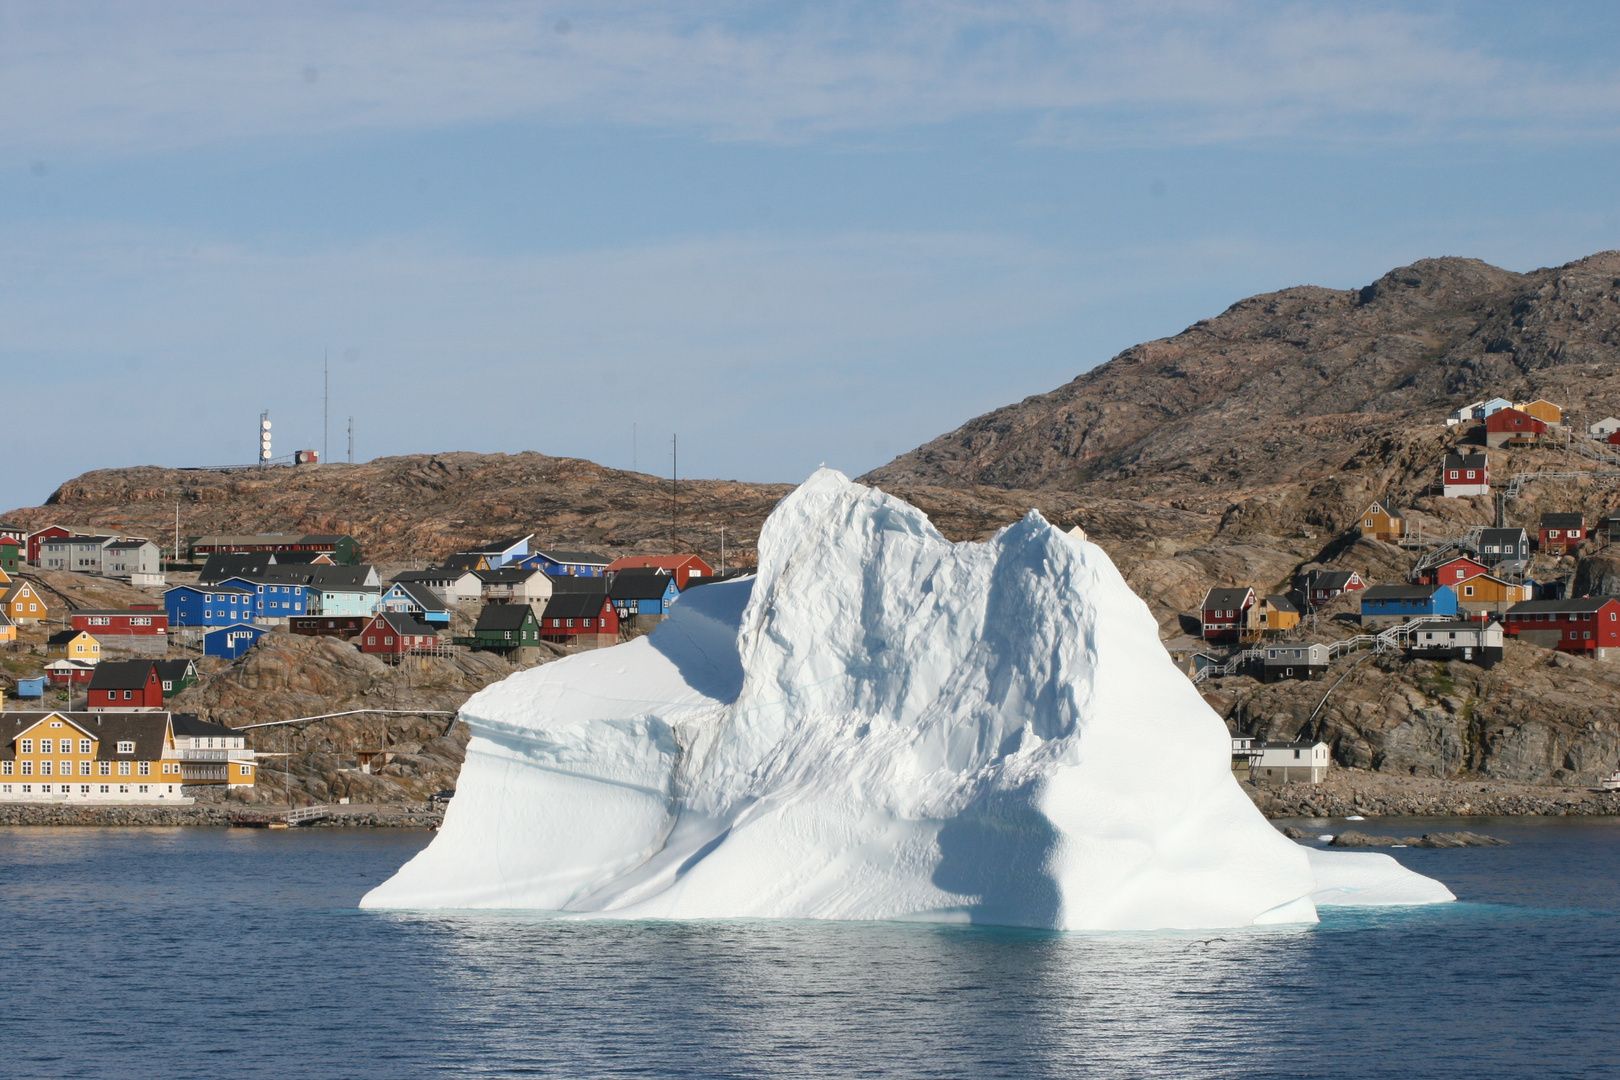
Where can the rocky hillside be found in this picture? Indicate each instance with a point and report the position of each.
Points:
(1293, 386)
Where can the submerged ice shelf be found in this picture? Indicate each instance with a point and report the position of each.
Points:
(880, 725)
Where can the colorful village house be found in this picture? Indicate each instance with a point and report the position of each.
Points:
(338, 626)
(1510, 427)
(126, 686)
(1465, 475)
(504, 627)
(1488, 594)
(1604, 427)
(645, 595)
(1471, 642)
(1222, 612)
(561, 563)
(342, 548)
(1561, 532)
(35, 539)
(343, 590)
(210, 605)
(1380, 522)
(1283, 763)
(1294, 662)
(1321, 587)
(277, 598)
(1270, 616)
(13, 532)
(514, 585)
(135, 630)
(451, 586)
(70, 672)
(73, 645)
(8, 629)
(1456, 571)
(231, 642)
(119, 757)
(1501, 546)
(11, 551)
(176, 675)
(22, 603)
(683, 567)
(1391, 605)
(584, 619)
(391, 635)
(212, 754)
(492, 554)
(1589, 626)
(415, 599)
(1542, 410)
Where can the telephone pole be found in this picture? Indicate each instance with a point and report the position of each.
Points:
(674, 489)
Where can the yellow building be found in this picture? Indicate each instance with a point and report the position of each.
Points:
(1542, 410)
(117, 757)
(1270, 615)
(1487, 593)
(1381, 523)
(8, 629)
(73, 645)
(23, 604)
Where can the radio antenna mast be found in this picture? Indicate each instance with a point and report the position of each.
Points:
(326, 403)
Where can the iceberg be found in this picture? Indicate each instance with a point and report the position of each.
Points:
(880, 724)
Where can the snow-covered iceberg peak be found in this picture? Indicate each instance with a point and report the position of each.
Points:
(880, 725)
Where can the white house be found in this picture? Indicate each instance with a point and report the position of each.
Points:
(1604, 428)
(1462, 475)
(1282, 763)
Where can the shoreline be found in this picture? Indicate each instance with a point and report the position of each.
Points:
(1351, 791)
(213, 815)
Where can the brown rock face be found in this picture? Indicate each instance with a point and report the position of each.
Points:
(1299, 384)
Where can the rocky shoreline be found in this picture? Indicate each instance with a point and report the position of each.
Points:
(1348, 792)
(209, 816)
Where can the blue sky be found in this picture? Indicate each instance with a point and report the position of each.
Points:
(792, 233)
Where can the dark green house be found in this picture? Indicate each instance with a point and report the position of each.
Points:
(506, 626)
(176, 675)
(10, 555)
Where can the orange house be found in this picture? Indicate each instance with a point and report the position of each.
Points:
(1488, 593)
(684, 567)
(1381, 523)
(1542, 410)
(23, 604)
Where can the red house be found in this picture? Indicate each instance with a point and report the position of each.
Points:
(1510, 426)
(1222, 613)
(392, 634)
(49, 532)
(126, 686)
(582, 618)
(1590, 626)
(1457, 570)
(1560, 532)
(132, 623)
(684, 567)
(1324, 586)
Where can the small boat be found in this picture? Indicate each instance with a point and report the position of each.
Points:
(1610, 782)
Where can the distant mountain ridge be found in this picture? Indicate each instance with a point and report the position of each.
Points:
(1292, 385)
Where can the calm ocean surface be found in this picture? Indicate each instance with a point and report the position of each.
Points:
(239, 953)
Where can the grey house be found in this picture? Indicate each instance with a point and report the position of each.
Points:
(1294, 662)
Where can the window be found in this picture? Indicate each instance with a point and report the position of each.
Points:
(126, 746)
(123, 769)
(104, 768)
(84, 746)
(145, 769)
(1296, 755)
(105, 788)
(44, 768)
(1470, 474)
(25, 746)
(5, 768)
(28, 768)
(390, 641)
(84, 768)
(45, 746)
(123, 789)
(371, 640)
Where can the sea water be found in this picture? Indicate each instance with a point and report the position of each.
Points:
(239, 953)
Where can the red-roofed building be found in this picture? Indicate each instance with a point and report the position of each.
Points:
(1510, 427)
(683, 567)
(1457, 570)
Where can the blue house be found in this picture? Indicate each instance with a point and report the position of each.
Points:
(558, 563)
(493, 555)
(416, 600)
(210, 605)
(1386, 605)
(277, 599)
(31, 687)
(643, 592)
(231, 641)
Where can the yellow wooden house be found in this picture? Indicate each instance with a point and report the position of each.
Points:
(1542, 410)
(89, 757)
(20, 601)
(1269, 617)
(1488, 593)
(8, 629)
(1380, 522)
(73, 645)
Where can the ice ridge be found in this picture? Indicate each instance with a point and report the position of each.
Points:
(879, 725)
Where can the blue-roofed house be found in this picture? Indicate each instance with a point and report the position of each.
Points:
(210, 605)
(415, 599)
(559, 563)
(1388, 605)
(492, 555)
(231, 641)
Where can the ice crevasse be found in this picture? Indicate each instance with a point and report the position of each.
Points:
(880, 724)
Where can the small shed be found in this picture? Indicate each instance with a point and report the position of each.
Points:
(231, 641)
(31, 688)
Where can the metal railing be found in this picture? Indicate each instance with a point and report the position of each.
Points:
(1390, 640)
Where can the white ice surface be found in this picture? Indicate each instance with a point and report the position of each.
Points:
(880, 725)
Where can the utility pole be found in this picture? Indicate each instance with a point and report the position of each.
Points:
(326, 403)
(633, 448)
(674, 486)
(351, 440)
(722, 551)
(177, 530)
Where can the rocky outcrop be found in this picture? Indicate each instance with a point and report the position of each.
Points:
(1354, 839)
(1354, 792)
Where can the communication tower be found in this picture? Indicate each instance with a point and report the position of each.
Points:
(264, 437)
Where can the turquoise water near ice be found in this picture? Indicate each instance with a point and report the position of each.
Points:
(181, 953)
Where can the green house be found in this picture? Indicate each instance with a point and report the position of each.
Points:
(506, 626)
(176, 675)
(10, 554)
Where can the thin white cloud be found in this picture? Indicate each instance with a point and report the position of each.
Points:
(152, 76)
